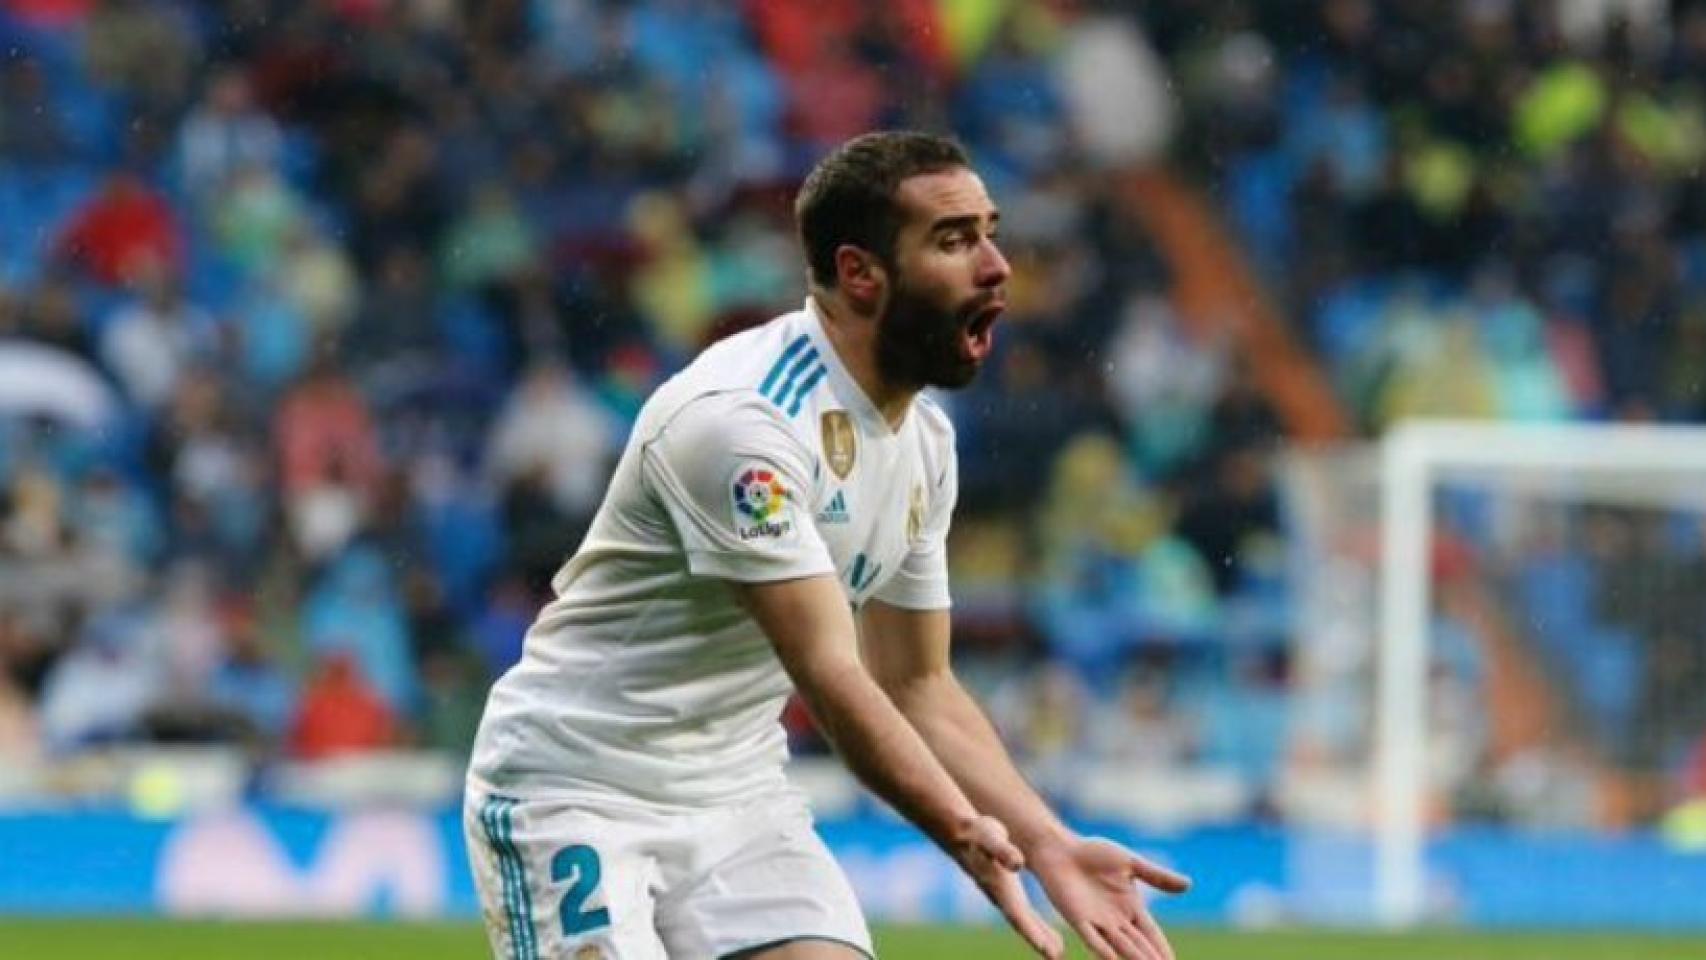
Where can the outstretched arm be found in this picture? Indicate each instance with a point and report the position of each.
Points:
(1091, 882)
(808, 622)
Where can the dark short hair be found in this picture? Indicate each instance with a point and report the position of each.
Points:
(849, 197)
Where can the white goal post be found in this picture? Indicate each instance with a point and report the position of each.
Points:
(1592, 460)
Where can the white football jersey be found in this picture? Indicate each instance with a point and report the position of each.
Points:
(762, 460)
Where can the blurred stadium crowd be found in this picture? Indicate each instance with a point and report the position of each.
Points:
(322, 322)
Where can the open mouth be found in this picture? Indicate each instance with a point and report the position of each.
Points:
(978, 334)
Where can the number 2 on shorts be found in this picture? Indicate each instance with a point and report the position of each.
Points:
(579, 865)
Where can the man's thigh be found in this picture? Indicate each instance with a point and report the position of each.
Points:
(762, 885)
(803, 949)
(557, 881)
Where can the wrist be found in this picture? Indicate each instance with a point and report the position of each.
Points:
(1044, 839)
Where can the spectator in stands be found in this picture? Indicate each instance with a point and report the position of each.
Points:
(274, 336)
(219, 499)
(108, 515)
(1230, 517)
(1021, 416)
(1439, 368)
(432, 624)
(490, 243)
(398, 201)
(247, 684)
(328, 454)
(1044, 714)
(123, 230)
(454, 688)
(99, 691)
(354, 610)
(1528, 383)
(1144, 726)
(225, 134)
(190, 629)
(1164, 383)
(151, 341)
(318, 279)
(393, 339)
(339, 713)
(672, 286)
(1245, 715)
(254, 216)
(49, 574)
(552, 423)
(502, 625)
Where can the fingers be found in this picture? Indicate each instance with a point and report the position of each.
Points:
(999, 878)
(990, 836)
(1130, 944)
(1152, 932)
(1009, 896)
(1119, 941)
(1157, 876)
(1005, 853)
(1046, 941)
(1095, 941)
(1005, 890)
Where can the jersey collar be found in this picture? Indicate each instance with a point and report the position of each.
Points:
(847, 389)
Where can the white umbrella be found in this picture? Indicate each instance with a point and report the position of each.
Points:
(46, 381)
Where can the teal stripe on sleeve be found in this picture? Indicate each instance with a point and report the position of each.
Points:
(782, 362)
(805, 390)
(800, 366)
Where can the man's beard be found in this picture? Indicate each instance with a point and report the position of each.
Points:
(919, 343)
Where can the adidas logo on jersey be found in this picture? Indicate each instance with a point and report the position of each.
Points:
(836, 512)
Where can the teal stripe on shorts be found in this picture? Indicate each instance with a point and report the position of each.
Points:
(508, 826)
(492, 815)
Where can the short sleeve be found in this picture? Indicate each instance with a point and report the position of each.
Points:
(736, 483)
(921, 582)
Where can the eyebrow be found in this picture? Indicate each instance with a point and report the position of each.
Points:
(963, 221)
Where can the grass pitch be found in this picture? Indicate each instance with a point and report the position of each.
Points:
(169, 940)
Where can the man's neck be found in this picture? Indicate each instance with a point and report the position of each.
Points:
(853, 336)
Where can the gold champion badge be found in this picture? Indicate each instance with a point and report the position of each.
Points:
(589, 952)
(840, 447)
(915, 514)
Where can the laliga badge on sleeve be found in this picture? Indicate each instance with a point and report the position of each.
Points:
(840, 445)
(761, 504)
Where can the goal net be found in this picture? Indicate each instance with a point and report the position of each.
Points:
(1498, 624)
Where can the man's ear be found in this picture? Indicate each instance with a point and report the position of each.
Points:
(860, 275)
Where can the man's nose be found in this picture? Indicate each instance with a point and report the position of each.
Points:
(993, 269)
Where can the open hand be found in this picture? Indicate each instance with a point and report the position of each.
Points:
(986, 855)
(1093, 885)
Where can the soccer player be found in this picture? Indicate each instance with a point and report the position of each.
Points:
(777, 522)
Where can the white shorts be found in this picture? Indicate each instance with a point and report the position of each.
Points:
(579, 881)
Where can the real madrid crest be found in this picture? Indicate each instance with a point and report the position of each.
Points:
(915, 514)
(840, 447)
